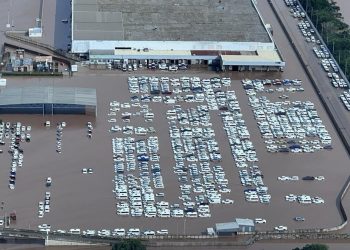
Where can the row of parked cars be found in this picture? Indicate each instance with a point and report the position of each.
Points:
(295, 9)
(336, 80)
(196, 152)
(117, 232)
(197, 157)
(15, 133)
(59, 134)
(288, 126)
(321, 51)
(162, 65)
(44, 206)
(304, 199)
(309, 34)
(345, 98)
(296, 178)
(136, 193)
(242, 148)
(175, 90)
(201, 179)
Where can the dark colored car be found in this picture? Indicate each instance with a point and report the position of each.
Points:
(299, 218)
(308, 178)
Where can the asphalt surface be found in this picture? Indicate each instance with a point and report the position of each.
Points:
(329, 93)
(62, 29)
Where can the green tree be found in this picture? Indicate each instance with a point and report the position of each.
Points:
(328, 20)
(313, 247)
(129, 244)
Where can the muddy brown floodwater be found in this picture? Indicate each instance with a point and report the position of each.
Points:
(87, 201)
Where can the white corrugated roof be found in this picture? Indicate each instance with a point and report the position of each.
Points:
(48, 94)
(263, 57)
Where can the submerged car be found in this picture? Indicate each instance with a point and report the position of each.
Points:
(299, 218)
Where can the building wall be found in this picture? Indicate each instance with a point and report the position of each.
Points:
(244, 228)
(83, 46)
(47, 109)
(104, 58)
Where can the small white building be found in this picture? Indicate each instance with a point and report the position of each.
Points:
(2, 82)
(35, 32)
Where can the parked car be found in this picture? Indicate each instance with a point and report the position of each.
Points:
(299, 218)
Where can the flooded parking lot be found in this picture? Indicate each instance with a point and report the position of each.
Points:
(87, 201)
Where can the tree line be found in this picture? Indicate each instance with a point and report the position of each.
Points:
(326, 17)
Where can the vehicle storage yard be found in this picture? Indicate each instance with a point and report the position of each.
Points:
(205, 161)
(79, 199)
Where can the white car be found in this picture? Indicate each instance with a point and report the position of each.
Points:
(44, 226)
(283, 178)
(163, 66)
(149, 233)
(260, 221)
(157, 99)
(173, 68)
(227, 201)
(163, 232)
(89, 232)
(318, 200)
(118, 232)
(41, 214)
(319, 178)
(281, 228)
(48, 181)
(84, 171)
(294, 178)
(104, 232)
(60, 231)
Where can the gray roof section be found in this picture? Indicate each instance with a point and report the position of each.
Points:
(245, 222)
(101, 52)
(227, 227)
(90, 23)
(167, 20)
(48, 94)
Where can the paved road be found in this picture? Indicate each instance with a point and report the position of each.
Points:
(331, 95)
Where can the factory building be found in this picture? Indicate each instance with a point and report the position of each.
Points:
(228, 34)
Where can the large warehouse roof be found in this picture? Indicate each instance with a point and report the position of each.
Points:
(48, 94)
(167, 20)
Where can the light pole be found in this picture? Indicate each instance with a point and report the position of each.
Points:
(4, 218)
(177, 228)
(185, 226)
